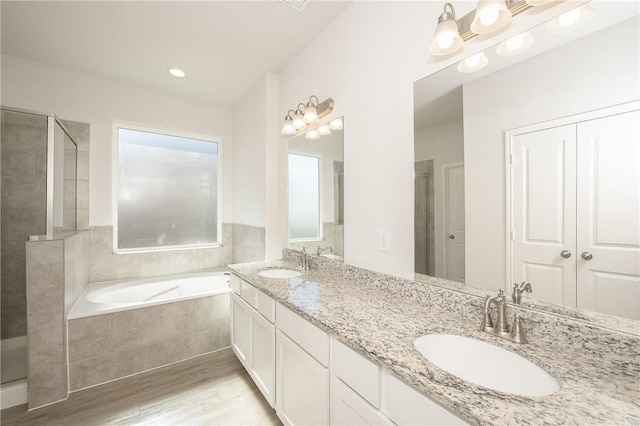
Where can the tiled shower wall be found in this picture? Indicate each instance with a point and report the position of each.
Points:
(111, 346)
(57, 272)
(24, 204)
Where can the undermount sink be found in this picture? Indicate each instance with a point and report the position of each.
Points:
(279, 273)
(486, 365)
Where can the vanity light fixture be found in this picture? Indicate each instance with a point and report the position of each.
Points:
(473, 63)
(570, 20)
(177, 72)
(446, 39)
(491, 15)
(488, 17)
(515, 45)
(304, 114)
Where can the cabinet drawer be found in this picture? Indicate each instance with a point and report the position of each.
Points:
(235, 284)
(249, 294)
(362, 375)
(306, 335)
(407, 406)
(267, 307)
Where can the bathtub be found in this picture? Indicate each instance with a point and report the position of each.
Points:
(121, 295)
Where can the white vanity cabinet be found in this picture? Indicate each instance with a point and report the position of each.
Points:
(302, 374)
(253, 335)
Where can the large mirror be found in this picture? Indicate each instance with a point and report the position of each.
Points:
(521, 173)
(316, 190)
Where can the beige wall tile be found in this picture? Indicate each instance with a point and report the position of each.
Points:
(89, 337)
(248, 243)
(102, 369)
(47, 379)
(180, 348)
(76, 257)
(45, 277)
(212, 311)
(167, 262)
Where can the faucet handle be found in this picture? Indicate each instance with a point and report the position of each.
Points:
(518, 332)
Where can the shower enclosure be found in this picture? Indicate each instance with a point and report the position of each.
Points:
(38, 200)
(424, 214)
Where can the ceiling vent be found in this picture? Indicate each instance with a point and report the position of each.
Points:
(297, 5)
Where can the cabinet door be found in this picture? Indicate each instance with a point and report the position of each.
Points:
(608, 215)
(302, 385)
(262, 355)
(348, 408)
(544, 213)
(240, 335)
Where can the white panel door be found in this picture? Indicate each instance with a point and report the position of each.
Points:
(454, 218)
(544, 212)
(262, 356)
(302, 385)
(240, 335)
(609, 215)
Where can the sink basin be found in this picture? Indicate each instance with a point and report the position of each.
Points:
(486, 365)
(279, 273)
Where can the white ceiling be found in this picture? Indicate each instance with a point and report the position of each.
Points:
(224, 46)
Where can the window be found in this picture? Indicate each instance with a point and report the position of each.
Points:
(168, 193)
(304, 197)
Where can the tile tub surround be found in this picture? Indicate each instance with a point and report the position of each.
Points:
(380, 316)
(107, 347)
(104, 265)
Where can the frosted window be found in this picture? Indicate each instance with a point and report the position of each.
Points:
(304, 197)
(167, 191)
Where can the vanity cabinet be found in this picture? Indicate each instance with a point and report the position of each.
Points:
(253, 336)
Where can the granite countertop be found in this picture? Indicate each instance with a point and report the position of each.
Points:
(380, 316)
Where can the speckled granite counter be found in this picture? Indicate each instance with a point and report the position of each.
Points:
(380, 316)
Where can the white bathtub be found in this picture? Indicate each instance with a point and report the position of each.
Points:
(114, 296)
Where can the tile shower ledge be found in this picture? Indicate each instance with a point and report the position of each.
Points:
(599, 384)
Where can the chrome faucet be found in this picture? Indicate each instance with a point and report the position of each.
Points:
(500, 329)
(304, 261)
(518, 289)
(323, 249)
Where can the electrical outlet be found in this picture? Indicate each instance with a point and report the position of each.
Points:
(384, 241)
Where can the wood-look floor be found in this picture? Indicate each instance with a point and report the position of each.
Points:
(212, 389)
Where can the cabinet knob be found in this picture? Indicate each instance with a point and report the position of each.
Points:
(586, 255)
(451, 237)
(565, 253)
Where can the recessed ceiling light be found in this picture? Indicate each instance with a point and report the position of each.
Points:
(177, 72)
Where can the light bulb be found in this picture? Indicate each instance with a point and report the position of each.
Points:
(473, 63)
(515, 43)
(324, 130)
(570, 18)
(445, 41)
(177, 72)
(287, 127)
(336, 124)
(489, 17)
(312, 134)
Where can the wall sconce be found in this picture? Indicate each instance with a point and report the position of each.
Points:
(305, 114)
(488, 17)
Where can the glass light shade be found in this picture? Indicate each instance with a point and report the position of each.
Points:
(515, 45)
(446, 39)
(298, 120)
(287, 127)
(324, 130)
(335, 124)
(570, 20)
(310, 114)
(491, 15)
(312, 134)
(473, 63)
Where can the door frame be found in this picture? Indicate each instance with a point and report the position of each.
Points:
(508, 162)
